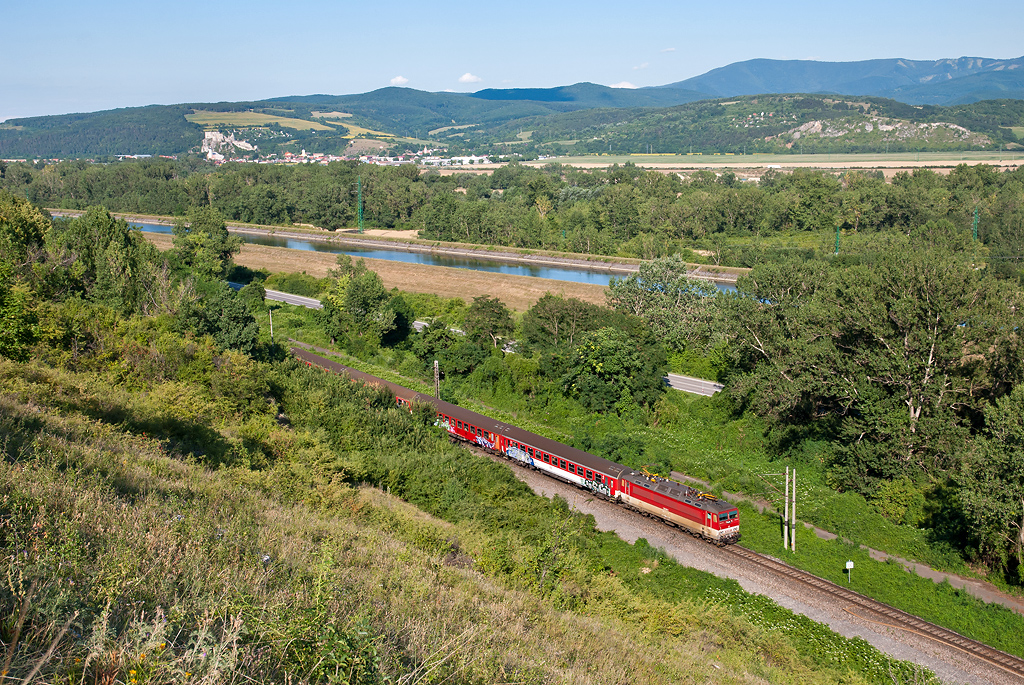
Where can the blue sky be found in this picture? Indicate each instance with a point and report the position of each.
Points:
(61, 56)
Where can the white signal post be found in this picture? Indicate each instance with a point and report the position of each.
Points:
(792, 513)
(785, 515)
(849, 571)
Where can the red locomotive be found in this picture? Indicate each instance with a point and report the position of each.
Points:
(698, 513)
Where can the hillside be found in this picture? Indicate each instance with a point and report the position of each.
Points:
(916, 82)
(581, 119)
(774, 123)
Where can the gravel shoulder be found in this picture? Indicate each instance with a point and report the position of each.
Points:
(948, 664)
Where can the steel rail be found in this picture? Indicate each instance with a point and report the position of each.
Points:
(901, 619)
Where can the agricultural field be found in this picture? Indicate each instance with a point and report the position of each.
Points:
(355, 131)
(244, 119)
(436, 131)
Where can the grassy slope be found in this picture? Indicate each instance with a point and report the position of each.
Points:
(169, 571)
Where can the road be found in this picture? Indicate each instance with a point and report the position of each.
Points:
(696, 386)
(287, 298)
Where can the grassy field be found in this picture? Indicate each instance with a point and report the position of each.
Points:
(450, 128)
(206, 118)
(356, 131)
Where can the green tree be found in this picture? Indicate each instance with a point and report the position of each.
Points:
(611, 365)
(366, 301)
(991, 483)
(22, 228)
(112, 262)
(488, 320)
(17, 320)
(893, 358)
(681, 310)
(554, 320)
(225, 316)
(202, 243)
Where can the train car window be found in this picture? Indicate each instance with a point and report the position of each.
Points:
(472, 429)
(714, 518)
(590, 475)
(460, 425)
(572, 468)
(547, 457)
(530, 450)
(561, 463)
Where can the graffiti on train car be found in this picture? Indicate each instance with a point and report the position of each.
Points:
(519, 455)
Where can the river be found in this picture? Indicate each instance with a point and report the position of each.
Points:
(430, 259)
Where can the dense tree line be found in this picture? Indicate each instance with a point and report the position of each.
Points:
(622, 211)
(900, 372)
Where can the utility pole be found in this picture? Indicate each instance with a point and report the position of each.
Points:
(359, 180)
(785, 515)
(271, 312)
(437, 380)
(975, 229)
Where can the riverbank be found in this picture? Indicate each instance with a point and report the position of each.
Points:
(518, 292)
(617, 266)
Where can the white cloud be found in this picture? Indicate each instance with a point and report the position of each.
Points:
(669, 50)
(642, 66)
(399, 81)
(469, 78)
(622, 84)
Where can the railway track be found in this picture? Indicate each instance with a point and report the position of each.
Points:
(887, 615)
(862, 607)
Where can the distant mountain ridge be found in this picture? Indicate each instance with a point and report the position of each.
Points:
(568, 113)
(590, 96)
(916, 82)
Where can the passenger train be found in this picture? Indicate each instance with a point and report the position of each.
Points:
(701, 514)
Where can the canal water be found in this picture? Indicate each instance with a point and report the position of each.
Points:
(548, 272)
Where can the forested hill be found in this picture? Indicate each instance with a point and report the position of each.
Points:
(396, 111)
(916, 82)
(580, 119)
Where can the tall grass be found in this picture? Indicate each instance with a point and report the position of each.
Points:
(168, 567)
